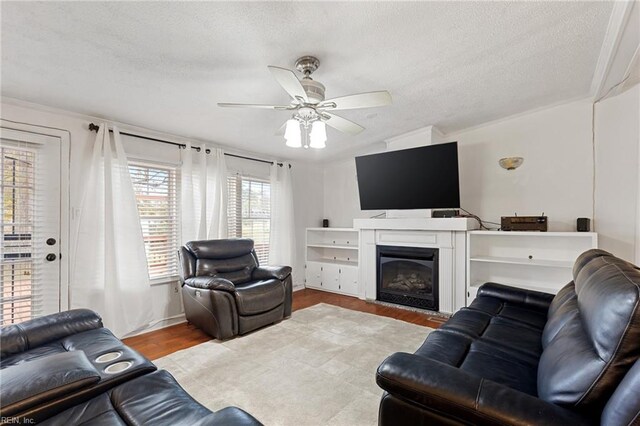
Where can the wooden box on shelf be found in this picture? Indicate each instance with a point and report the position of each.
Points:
(331, 260)
(540, 261)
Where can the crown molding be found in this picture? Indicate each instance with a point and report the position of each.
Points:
(617, 24)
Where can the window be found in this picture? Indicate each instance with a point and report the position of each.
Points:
(155, 189)
(249, 212)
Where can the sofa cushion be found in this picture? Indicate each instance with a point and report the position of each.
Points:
(514, 311)
(259, 296)
(152, 399)
(623, 407)
(492, 362)
(596, 342)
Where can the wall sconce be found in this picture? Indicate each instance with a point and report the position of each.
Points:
(511, 163)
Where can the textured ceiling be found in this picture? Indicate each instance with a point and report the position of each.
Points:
(164, 66)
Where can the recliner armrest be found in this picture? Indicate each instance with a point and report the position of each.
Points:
(446, 389)
(534, 299)
(268, 272)
(210, 283)
(35, 382)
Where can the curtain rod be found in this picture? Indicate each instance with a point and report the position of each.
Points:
(94, 128)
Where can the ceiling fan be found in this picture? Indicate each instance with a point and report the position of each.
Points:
(310, 109)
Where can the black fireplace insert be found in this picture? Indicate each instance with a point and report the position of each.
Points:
(408, 276)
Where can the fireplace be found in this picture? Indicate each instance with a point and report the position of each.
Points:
(408, 276)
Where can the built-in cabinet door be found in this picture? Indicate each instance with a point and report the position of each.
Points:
(349, 280)
(330, 277)
(313, 274)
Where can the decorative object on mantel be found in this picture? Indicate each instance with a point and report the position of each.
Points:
(310, 109)
(511, 163)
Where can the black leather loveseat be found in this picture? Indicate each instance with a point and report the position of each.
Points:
(517, 357)
(224, 290)
(67, 369)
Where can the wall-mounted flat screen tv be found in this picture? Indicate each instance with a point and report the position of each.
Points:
(416, 178)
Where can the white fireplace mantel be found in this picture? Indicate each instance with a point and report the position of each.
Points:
(448, 235)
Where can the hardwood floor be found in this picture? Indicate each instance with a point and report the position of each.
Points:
(157, 344)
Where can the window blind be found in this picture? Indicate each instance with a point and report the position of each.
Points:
(249, 212)
(21, 296)
(155, 187)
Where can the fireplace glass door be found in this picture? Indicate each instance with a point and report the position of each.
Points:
(408, 276)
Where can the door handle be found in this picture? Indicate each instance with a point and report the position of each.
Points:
(51, 241)
(51, 257)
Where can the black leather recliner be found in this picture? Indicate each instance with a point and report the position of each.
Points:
(224, 290)
(518, 357)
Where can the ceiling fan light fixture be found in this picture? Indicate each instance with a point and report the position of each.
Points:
(318, 135)
(292, 133)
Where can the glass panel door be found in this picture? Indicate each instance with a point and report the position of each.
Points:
(29, 226)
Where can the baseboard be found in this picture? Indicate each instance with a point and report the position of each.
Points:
(158, 325)
(299, 287)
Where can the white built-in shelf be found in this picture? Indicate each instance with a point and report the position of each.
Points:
(333, 246)
(534, 234)
(526, 286)
(331, 260)
(538, 261)
(338, 261)
(520, 261)
(332, 229)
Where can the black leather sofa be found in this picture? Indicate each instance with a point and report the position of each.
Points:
(517, 357)
(224, 290)
(66, 368)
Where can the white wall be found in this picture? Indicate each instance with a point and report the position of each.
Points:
(341, 200)
(167, 305)
(617, 130)
(556, 177)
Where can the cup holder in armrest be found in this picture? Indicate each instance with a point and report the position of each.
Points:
(118, 367)
(109, 356)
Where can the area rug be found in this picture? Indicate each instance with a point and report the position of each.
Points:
(316, 368)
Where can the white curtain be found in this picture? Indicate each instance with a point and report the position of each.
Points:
(203, 194)
(282, 234)
(109, 272)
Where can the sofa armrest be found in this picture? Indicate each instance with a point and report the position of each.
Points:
(534, 299)
(268, 272)
(229, 416)
(446, 389)
(35, 382)
(210, 283)
(17, 338)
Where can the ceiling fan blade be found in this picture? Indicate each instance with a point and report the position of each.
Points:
(229, 105)
(360, 100)
(342, 124)
(280, 131)
(289, 82)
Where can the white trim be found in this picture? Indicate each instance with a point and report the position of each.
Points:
(617, 22)
(415, 132)
(65, 231)
(153, 325)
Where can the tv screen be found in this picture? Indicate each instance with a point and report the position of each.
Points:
(416, 178)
